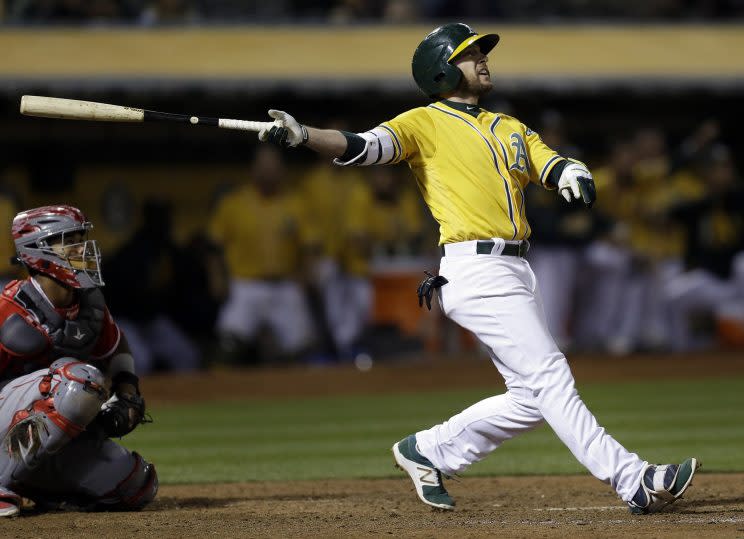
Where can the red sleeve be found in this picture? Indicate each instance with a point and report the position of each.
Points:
(109, 339)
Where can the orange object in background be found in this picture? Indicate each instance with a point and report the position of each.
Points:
(731, 332)
(395, 298)
(395, 283)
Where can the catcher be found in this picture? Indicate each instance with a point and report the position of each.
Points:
(67, 381)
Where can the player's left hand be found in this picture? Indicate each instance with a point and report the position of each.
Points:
(577, 182)
(286, 132)
(121, 414)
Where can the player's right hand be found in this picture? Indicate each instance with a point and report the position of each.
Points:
(286, 132)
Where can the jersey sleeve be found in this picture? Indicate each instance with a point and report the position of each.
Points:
(109, 339)
(411, 132)
(400, 139)
(542, 157)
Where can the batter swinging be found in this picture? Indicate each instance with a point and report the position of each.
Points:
(472, 166)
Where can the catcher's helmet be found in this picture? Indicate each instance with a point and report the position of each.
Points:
(431, 66)
(43, 244)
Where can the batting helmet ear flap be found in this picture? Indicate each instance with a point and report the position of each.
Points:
(432, 72)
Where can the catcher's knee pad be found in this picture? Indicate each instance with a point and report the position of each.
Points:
(136, 490)
(78, 390)
(71, 395)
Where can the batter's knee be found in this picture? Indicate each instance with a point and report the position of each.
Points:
(135, 491)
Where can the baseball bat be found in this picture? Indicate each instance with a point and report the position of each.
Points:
(74, 109)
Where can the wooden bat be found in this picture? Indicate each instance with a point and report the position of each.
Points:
(74, 109)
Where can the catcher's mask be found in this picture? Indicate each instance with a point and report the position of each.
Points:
(53, 240)
(432, 61)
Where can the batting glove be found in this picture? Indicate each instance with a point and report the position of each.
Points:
(577, 182)
(427, 287)
(286, 132)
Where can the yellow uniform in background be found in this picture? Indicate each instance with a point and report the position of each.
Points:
(261, 236)
(328, 196)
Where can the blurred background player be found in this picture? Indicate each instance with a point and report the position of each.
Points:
(712, 282)
(561, 233)
(259, 227)
(336, 205)
(143, 310)
(61, 357)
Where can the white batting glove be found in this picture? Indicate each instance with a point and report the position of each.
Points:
(576, 183)
(285, 132)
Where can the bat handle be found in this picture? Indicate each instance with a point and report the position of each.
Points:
(245, 125)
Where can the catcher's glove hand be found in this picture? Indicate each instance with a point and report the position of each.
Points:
(121, 414)
(427, 286)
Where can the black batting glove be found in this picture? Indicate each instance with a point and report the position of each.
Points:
(576, 182)
(278, 136)
(588, 190)
(427, 286)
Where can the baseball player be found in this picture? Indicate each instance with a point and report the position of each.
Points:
(261, 252)
(472, 166)
(67, 381)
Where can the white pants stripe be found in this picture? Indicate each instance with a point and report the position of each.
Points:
(496, 297)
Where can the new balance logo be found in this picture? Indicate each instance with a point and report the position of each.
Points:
(427, 476)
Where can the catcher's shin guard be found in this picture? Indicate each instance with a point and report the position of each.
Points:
(71, 395)
(136, 490)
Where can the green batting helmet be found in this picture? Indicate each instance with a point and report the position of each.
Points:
(431, 66)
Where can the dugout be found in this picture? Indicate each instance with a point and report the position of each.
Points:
(605, 79)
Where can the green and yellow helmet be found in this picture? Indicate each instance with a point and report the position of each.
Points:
(431, 65)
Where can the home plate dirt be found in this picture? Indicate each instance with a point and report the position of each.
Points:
(563, 506)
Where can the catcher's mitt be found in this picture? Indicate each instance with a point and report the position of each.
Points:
(121, 414)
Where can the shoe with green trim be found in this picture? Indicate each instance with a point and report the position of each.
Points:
(426, 478)
(662, 485)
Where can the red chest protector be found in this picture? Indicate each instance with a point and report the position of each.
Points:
(32, 329)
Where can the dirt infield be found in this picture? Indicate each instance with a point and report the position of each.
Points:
(487, 507)
(563, 506)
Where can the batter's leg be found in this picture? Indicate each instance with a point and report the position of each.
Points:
(504, 312)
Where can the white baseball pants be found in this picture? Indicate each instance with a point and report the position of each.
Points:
(279, 304)
(496, 297)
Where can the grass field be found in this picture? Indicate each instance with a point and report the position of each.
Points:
(345, 437)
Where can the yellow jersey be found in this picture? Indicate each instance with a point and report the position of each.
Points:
(326, 194)
(7, 247)
(471, 166)
(260, 235)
